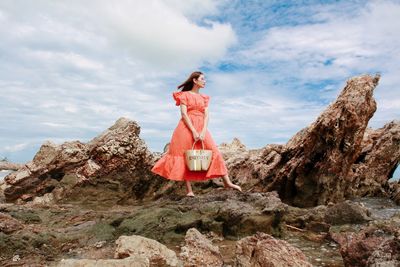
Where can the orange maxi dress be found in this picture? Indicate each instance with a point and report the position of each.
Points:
(172, 164)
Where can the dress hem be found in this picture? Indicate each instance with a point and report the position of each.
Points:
(213, 176)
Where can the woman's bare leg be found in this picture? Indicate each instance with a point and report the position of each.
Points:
(189, 189)
(229, 184)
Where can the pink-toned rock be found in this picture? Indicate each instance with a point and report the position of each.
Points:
(380, 243)
(333, 159)
(316, 161)
(233, 147)
(6, 165)
(128, 262)
(199, 251)
(247, 167)
(156, 253)
(115, 166)
(262, 250)
(377, 161)
(394, 189)
(387, 254)
(8, 224)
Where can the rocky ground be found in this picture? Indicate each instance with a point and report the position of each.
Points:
(99, 203)
(241, 229)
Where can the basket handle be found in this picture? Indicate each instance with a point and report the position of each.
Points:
(202, 143)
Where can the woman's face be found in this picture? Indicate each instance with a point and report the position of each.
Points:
(201, 81)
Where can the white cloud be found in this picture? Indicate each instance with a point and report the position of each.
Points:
(348, 42)
(85, 64)
(168, 39)
(55, 125)
(16, 147)
(335, 48)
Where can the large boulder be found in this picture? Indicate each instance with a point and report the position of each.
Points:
(227, 213)
(199, 251)
(387, 254)
(138, 246)
(113, 167)
(371, 246)
(316, 161)
(377, 161)
(262, 250)
(347, 212)
(330, 160)
(132, 251)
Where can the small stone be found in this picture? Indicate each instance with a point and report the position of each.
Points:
(16, 258)
(99, 244)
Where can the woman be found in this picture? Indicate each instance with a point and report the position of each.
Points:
(192, 127)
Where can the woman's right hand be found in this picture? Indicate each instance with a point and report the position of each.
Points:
(196, 135)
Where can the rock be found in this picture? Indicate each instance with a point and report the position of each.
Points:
(274, 204)
(347, 212)
(128, 262)
(199, 251)
(8, 224)
(16, 258)
(27, 216)
(233, 147)
(113, 167)
(318, 226)
(3, 186)
(247, 167)
(153, 251)
(44, 200)
(312, 218)
(5, 165)
(315, 162)
(261, 250)
(100, 244)
(328, 161)
(387, 254)
(227, 213)
(372, 244)
(394, 189)
(377, 161)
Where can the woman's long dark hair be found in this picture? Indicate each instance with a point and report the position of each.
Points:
(188, 84)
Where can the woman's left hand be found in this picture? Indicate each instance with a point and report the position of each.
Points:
(202, 135)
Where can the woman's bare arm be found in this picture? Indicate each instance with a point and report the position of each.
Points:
(186, 118)
(206, 118)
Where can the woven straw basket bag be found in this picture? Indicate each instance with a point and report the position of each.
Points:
(198, 159)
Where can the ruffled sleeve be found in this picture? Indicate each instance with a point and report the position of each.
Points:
(180, 98)
(206, 100)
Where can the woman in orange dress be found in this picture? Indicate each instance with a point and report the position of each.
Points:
(192, 127)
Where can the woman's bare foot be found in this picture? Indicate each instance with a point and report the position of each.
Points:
(229, 184)
(236, 187)
(189, 189)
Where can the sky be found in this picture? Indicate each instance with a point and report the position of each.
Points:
(70, 69)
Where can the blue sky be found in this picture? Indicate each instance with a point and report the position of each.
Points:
(70, 69)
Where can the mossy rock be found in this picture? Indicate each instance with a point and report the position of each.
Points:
(26, 216)
(43, 238)
(156, 222)
(10, 245)
(101, 232)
